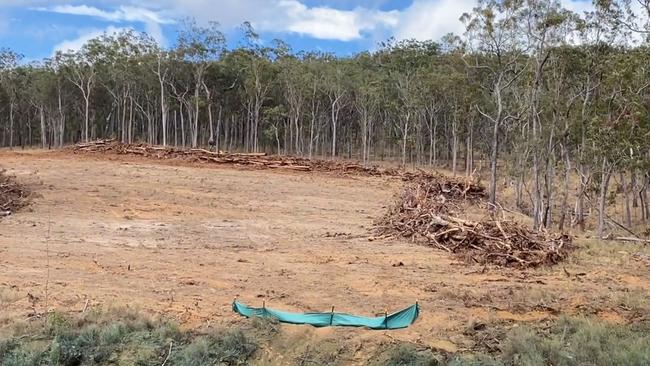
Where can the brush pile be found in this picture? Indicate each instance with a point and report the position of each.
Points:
(13, 196)
(427, 211)
(251, 160)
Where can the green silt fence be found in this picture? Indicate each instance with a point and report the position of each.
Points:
(398, 320)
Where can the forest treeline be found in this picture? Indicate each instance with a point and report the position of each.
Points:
(531, 91)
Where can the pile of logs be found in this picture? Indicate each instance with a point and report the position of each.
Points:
(428, 210)
(13, 196)
(252, 160)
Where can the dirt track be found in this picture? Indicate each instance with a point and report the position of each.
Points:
(184, 241)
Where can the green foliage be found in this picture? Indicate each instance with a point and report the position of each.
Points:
(407, 355)
(56, 324)
(230, 348)
(570, 342)
(125, 338)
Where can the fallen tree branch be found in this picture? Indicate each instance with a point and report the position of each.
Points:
(428, 210)
(638, 240)
(459, 188)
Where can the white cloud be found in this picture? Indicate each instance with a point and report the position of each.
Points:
(328, 23)
(152, 20)
(577, 6)
(432, 19)
(77, 43)
(419, 19)
(121, 14)
(287, 16)
(281, 16)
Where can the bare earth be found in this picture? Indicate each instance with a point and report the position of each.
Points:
(184, 241)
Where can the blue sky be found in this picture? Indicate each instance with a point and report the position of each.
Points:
(37, 28)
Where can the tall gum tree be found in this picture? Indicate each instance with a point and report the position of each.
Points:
(497, 57)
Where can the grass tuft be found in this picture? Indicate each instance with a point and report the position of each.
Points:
(407, 355)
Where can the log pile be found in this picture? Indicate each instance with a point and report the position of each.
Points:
(13, 196)
(427, 211)
(251, 160)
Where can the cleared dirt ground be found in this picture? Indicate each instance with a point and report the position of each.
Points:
(184, 241)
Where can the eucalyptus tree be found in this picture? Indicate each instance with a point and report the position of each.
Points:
(118, 61)
(79, 68)
(294, 89)
(314, 80)
(405, 64)
(498, 58)
(39, 89)
(631, 16)
(161, 68)
(58, 113)
(180, 85)
(366, 94)
(336, 85)
(199, 46)
(9, 61)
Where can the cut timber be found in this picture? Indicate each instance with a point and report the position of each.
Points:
(638, 240)
(248, 154)
(428, 210)
(261, 161)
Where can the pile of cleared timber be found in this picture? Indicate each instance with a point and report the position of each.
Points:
(252, 160)
(427, 211)
(13, 196)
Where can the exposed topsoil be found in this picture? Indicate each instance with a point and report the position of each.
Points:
(181, 239)
(422, 211)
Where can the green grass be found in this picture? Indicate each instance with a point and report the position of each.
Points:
(121, 338)
(406, 355)
(126, 338)
(569, 342)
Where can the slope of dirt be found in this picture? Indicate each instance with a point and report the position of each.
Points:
(184, 242)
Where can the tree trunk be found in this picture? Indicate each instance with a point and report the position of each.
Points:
(602, 197)
(61, 119)
(86, 119)
(130, 134)
(334, 121)
(565, 197)
(163, 117)
(43, 130)
(537, 190)
(175, 128)
(311, 135)
(11, 124)
(469, 150)
(182, 124)
(493, 163)
(454, 145)
(195, 124)
(163, 103)
(218, 133)
(643, 197)
(405, 133)
(627, 214)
